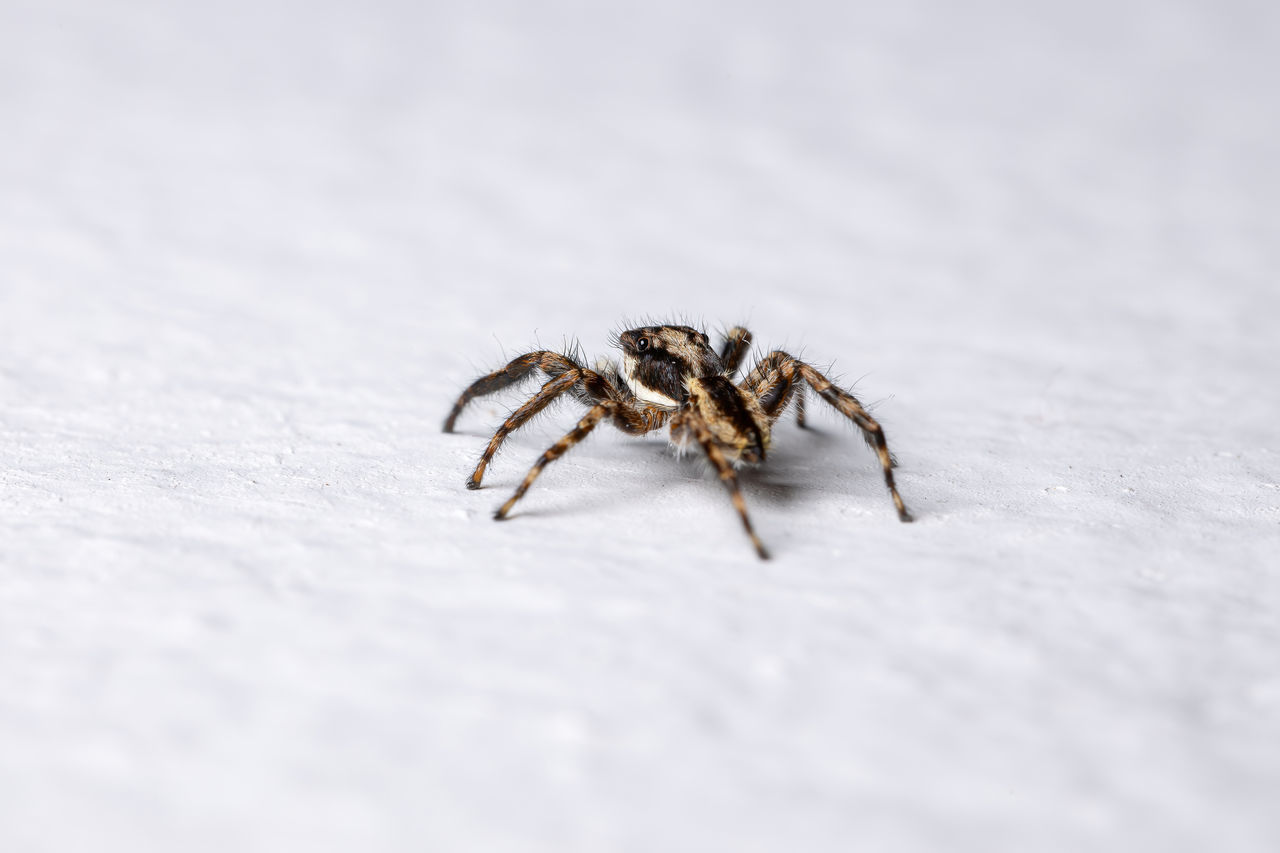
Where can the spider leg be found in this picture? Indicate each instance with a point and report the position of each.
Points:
(633, 421)
(548, 393)
(727, 476)
(775, 389)
(734, 348)
(776, 380)
(552, 363)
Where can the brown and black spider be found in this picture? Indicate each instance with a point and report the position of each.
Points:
(671, 375)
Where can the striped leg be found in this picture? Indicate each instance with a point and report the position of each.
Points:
(552, 363)
(780, 375)
(548, 393)
(703, 435)
(775, 388)
(589, 421)
(627, 419)
(848, 405)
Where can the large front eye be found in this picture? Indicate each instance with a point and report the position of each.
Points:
(642, 344)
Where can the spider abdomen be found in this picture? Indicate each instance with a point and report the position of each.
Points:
(736, 420)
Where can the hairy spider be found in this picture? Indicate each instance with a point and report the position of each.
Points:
(671, 375)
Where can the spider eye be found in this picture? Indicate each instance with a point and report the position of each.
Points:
(642, 344)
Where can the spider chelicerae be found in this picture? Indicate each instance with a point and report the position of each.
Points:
(670, 375)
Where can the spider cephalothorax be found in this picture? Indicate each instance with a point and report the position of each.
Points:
(673, 366)
(658, 361)
(670, 375)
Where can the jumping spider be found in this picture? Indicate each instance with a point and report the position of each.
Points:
(671, 375)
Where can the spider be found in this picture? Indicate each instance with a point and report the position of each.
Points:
(670, 375)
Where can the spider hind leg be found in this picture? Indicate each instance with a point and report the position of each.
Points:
(779, 377)
(565, 374)
(627, 419)
(521, 416)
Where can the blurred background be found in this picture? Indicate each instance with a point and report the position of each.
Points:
(250, 252)
(1049, 173)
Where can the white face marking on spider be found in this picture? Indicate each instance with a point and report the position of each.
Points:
(642, 392)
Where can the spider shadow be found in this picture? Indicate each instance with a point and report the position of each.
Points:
(616, 488)
(787, 478)
(780, 480)
(798, 458)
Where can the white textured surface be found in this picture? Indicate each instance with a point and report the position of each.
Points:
(249, 252)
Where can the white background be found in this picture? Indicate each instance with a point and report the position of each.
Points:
(250, 252)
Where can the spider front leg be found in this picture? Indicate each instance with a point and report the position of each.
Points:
(778, 376)
(635, 422)
(702, 433)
